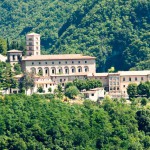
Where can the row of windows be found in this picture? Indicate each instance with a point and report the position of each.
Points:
(60, 70)
(114, 88)
(114, 83)
(114, 78)
(31, 44)
(31, 39)
(131, 79)
(59, 62)
(15, 57)
(31, 48)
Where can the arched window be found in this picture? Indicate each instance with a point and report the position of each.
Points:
(40, 71)
(86, 69)
(66, 70)
(79, 69)
(53, 70)
(46, 71)
(33, 70)
(60, 71)
(73, 69)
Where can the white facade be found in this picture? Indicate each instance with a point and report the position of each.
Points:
(59, 69)
(33, 44)
(3, 58)
(94, 94)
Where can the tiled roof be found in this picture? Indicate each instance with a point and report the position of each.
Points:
(98, 74)
(93, 90)
(57, 57)
(14, 51)
(21, 75)
(33, 33)
(72, 74)
(131, 73)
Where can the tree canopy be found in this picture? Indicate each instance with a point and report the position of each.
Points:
(34, 122)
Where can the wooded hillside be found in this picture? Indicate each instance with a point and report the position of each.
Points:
(116, 32)
(35, 122)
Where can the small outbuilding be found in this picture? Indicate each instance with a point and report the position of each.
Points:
(94, 94)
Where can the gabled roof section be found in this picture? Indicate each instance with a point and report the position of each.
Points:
(14, 51)
(57, 57)
(33, 33)
(132, 73)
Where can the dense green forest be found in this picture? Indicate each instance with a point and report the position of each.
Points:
(35, 122)
(19, 17)
(116, 32)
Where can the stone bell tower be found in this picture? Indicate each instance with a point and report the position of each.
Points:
(33, 44)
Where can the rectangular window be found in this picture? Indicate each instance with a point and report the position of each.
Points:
(85, 62)
(124, 79)
(30, 48)
(72, 62)
(78, 62)
(135, 78)
(60, 80)
(52, 62)
(13, 57)
(129, 79)
(59, 62)
(45, 62)
(92, 94)
(30, 39)
(32, 63)
(46, 85)
(39, 63)
(66, 62)
(141, 78)
(30, 43)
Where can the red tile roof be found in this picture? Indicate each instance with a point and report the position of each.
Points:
(57, 57)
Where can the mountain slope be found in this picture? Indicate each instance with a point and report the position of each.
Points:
(116, 32)
(19, 17)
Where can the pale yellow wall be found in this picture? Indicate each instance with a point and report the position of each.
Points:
(35, 44)
(49, 65)
(124, 84)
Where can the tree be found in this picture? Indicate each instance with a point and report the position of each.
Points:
(17, 69)
(111, 70)
(27, 82)
(40, 89)
(87, 84)
(68, 84)
(143, 89)
(132, 90)
(3, 46)
(58, 92)
(143, 117)
(71, 92)
(50, 89)
(144, 101)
